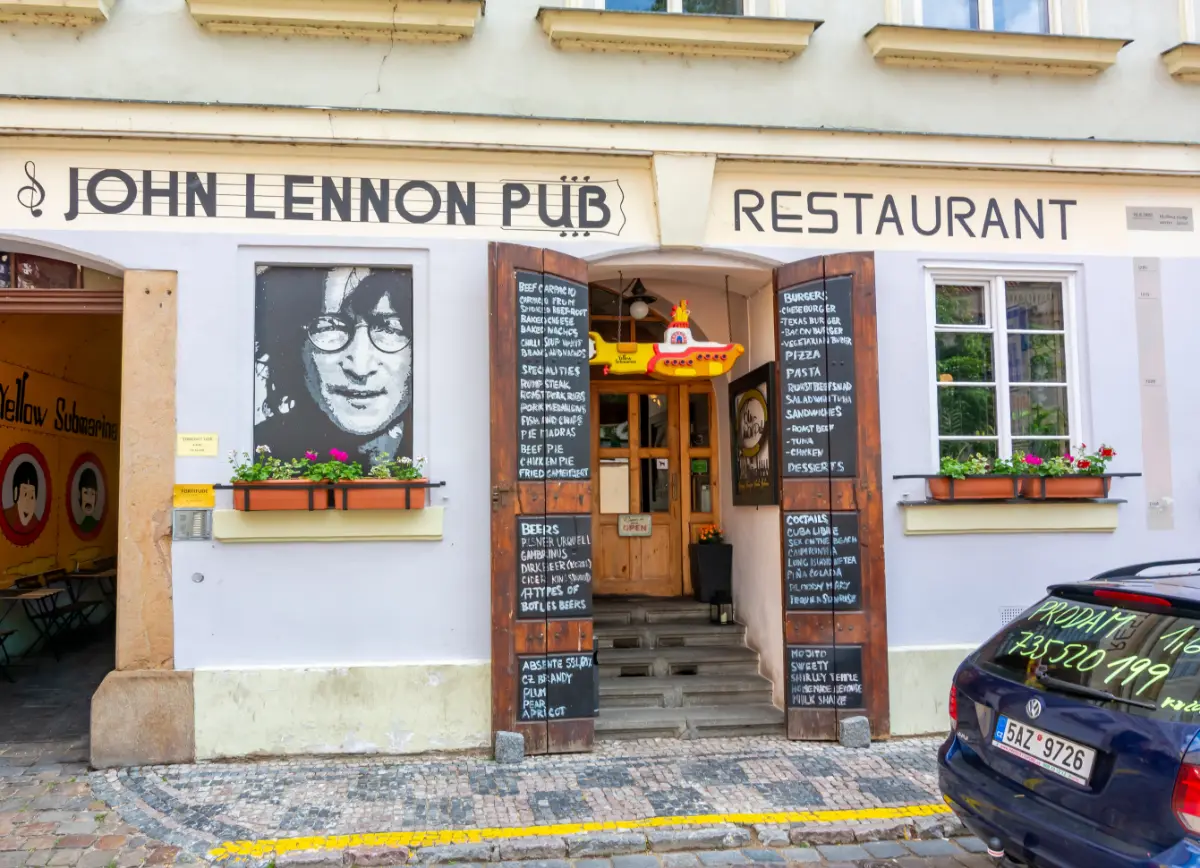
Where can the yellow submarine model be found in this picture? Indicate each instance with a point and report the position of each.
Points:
(679, 357)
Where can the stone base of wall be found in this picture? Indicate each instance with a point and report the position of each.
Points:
(919, 680)
(409, 708)
(143, 717)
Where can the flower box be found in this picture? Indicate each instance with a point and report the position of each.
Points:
(973, 488)
(1071, 487)
(280, 494)
(383, 494)
(712, 572)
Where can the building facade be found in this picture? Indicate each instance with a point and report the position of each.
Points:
(953, 227)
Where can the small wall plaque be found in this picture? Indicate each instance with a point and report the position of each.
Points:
(194, 496)
(196, 445)
(633, 524)
(1158, 219)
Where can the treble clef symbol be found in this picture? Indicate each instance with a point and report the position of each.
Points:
(33, 194)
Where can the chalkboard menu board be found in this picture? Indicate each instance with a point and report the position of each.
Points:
(554, 566)
(821, 561)
(825, 676)
(553, 401)
(816, 382)
(557, 687)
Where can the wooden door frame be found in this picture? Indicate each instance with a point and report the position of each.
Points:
(862, 494)
(510, 498)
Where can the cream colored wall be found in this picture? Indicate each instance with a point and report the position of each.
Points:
(754, 530)
(919, 680)
(346, 710)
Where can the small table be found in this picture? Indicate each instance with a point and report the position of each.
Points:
(40, 607)
(105, 581)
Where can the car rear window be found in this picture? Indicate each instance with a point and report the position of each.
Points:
(1149, 656)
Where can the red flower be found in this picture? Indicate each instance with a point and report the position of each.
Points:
(1107, 452)
(1083, 464)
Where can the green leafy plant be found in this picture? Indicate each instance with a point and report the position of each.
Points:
(976, 465)
(710, 534)
(262, 466)
(1092, 463)
(339, 467)
(401, 468)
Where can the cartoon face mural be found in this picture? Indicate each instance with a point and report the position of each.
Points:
(87, 496)
(334, 361)
(24, 494)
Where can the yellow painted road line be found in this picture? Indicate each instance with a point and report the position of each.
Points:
(267, 847)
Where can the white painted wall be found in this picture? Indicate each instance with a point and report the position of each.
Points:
(510, 68)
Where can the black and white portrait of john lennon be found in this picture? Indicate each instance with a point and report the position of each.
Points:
(333, 361)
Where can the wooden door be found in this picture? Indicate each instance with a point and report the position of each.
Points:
(543, 678)
(831, 514)
(635, 439)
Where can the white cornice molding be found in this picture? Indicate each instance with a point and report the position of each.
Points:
(993, 51)
(71, 13)
(406, 20)
(739, 36)
(62, 120)
(1183, 61)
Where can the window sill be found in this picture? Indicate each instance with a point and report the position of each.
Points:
(404, 20)
(334, 525)
(924, 518)
(992, 51)
(71, 13)
(1183, 61)
(676, 33)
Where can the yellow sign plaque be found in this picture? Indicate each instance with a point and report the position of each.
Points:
(196, 445)
(195, 496)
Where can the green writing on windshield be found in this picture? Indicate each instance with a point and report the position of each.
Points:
(1076, 616)
(1179, 705)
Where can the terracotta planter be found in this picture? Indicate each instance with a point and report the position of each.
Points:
(1065, 487)
(383, 494)
(278, 494)
(973, 488)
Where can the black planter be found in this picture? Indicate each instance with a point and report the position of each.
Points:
(712, 572)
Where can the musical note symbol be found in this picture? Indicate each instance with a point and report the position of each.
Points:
(33, 194)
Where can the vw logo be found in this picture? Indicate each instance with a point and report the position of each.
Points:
(1033, 708)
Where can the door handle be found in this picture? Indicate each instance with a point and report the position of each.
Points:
(674, 485)
(500, 493)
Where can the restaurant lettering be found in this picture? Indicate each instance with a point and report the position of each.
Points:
(17, 408)
(826, 212)
(573, 205)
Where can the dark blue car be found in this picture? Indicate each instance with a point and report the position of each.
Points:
(1074, 729)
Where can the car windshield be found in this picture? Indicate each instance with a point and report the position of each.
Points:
(1146, 657)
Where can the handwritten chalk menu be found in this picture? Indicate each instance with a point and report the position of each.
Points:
(553, 430)
(825, 676)
(557, 687)
(821, 561)
(816, 383)
(554, 566)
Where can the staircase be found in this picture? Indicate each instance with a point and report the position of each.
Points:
(666, 672)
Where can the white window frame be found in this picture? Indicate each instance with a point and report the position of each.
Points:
(750, 8)
(987, 19)
(993, 276)
(1187, 19)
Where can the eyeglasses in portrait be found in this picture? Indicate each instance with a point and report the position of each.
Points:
(333, 361)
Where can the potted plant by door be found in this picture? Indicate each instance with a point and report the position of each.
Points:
(712, 567)
(264, 482)
(1069, 477)
(381, 488)
(977, 478)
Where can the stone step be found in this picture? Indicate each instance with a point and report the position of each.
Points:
(682, 691)
(702, 721)
(648, 610)
(661, 662)
(669, 635)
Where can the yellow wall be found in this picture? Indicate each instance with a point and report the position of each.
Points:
(72, 361)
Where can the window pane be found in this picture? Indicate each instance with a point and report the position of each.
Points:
(656, 485)
(961, 450)
(614, 486)
(1042, 448)
(1037, 358)
(698, 420)
(961, 305)
(601, 301)
(653, 409)
(1034, 305)
(701, 485)
(1022, 16)
(967, 411)
(713, 7)
(607, 329)
(614, 421)
(964, 358)
(1039, 410)
(961, 14)
(636, 5)
(648, 331)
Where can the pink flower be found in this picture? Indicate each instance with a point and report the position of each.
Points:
(310, 456)
(339, 455)
(1032, 459)
(1070, 458)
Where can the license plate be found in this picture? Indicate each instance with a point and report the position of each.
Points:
(1065, 758)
